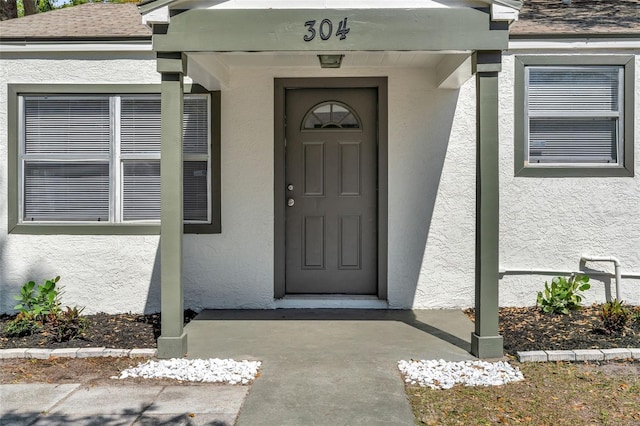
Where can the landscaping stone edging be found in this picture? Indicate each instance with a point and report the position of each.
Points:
(580, 355)
(37, 353)
(524, 356)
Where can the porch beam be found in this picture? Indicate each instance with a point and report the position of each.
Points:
(302, 30)
(485, 341)
(172, 342)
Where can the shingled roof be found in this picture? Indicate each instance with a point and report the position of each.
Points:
(538, 18)
(578, 18)
(87, 21)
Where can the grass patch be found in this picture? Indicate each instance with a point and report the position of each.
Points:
(551, 394)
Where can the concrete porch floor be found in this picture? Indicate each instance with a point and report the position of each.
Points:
(329, 366)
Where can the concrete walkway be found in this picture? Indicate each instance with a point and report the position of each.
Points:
(320, 367)
(51, 404)
(329, 367)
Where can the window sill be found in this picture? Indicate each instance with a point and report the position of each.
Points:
(86, 229)
(106, 229)
(579, 171)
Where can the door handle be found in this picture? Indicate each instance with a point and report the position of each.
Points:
(291, 202)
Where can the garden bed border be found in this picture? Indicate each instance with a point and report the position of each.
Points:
(581, 355)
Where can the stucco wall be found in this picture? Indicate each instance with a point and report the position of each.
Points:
(103, 273)
(237, 266)
(545, 223)
(549, 223)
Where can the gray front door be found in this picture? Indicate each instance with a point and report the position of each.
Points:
(331, 175)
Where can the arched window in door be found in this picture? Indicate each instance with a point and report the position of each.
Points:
(331, 115)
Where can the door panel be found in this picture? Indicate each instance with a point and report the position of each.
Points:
(331, 176)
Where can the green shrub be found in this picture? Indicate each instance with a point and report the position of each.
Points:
(40, 302)
(40, 309)
(563, 295)
(615, 316)
(66, 324)
(24, 324)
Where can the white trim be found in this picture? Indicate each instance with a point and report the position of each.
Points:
(156, 16)
(20, 47)
(503, 13)
(515, 46)
(115, 214)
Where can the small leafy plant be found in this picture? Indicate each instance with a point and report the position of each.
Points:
(563, 295)
(40, 311)
(24, 324)
(615, 316)
(66, 324)
(41, 301)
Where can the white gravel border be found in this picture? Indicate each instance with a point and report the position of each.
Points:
(440, 374)
(212, 370)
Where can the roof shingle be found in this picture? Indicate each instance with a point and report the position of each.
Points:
(86, 21)
(537, 18)
(579, 18)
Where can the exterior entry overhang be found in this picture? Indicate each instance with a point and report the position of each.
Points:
(465, 40)
(273, 30)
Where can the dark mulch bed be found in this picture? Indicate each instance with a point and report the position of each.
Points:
(523, 329)
(528, 329)
(124, 331)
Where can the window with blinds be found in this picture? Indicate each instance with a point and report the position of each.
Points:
(574, 115)
(97, 159)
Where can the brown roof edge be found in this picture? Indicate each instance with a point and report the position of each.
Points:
(78, 40)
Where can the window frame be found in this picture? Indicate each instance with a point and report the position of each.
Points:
(625, 168)
(313, 109)
(15, 93)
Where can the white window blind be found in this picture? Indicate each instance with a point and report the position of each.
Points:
(574, 114)
(140, 137)
(196, 190)
(196, 126)
(67, 126)
(76, 191)
(141, 190)
(140, 125)
(97, 159)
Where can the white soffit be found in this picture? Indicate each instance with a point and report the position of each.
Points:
(356, 59)
(213, 70)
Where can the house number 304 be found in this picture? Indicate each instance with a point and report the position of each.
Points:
(325, 29)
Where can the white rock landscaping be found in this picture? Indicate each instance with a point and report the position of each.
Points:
(440, 374)
(212, 370)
